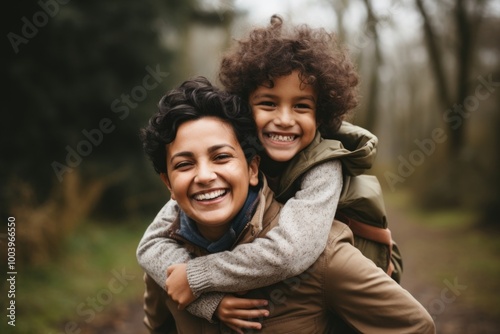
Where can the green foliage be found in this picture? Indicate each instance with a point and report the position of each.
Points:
(50, 296)
(76, 71)
(83, 78)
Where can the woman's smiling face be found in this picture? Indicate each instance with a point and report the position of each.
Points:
(207, 173)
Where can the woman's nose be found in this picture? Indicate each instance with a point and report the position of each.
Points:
(205, 174)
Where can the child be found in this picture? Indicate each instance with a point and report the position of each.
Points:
(295, 83)
(199, 142)
(268, 56)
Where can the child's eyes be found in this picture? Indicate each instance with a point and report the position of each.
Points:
(303, 106)
(267, 104)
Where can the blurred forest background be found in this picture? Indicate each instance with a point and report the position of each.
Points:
(82, 77)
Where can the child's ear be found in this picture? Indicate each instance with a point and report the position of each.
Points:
(164, 178)
(253, 170)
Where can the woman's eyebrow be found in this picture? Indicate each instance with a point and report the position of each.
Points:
(211, 149)
(217, 147)
(181, 154)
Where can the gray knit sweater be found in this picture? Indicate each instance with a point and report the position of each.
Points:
(286, 251)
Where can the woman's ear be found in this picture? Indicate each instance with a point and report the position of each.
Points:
(253, 171)
(164, 178)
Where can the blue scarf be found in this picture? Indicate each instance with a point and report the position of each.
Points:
(189, 231)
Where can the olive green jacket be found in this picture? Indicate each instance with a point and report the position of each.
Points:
(361, 199)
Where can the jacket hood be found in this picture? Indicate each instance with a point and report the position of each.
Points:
(354, 146)
(358, 148)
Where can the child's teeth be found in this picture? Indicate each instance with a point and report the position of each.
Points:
(281, 138)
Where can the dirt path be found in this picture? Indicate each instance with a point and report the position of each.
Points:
(427, 254)
(431, 274)
(123, 320)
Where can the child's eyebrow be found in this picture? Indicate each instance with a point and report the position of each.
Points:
(299, 97)
(307, 97)
(258, 96)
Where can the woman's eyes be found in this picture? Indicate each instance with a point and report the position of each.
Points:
(186, 165)
(222, 157)
(182, 165)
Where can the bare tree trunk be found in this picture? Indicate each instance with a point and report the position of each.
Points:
(453, 94)
(465, 28)
(339, 7)
(373, 92)
(435, 57)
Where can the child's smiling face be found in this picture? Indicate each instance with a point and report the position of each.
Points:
(208, 175)
(285, 116)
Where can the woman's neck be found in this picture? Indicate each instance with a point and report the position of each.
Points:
(213, 233)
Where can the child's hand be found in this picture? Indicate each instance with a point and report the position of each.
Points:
(177, 285)
(233, 310)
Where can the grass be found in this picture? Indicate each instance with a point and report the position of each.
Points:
(81, 286)
(96, 271)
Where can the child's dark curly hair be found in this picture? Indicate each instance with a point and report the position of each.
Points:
(273, 52)
(192, 100)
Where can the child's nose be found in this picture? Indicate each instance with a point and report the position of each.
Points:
(285, 117)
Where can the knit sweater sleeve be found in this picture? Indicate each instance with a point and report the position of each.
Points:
(156, 252)
(287, 250)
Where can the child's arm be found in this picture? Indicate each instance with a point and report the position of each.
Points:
(287, 250)
(156, 251)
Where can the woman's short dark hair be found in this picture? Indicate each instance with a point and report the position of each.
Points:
(192, 100)
(274, 51)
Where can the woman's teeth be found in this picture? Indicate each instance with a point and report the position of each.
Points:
(209, 195)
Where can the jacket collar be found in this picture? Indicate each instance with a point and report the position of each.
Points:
(263, 218)
(189, 231)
